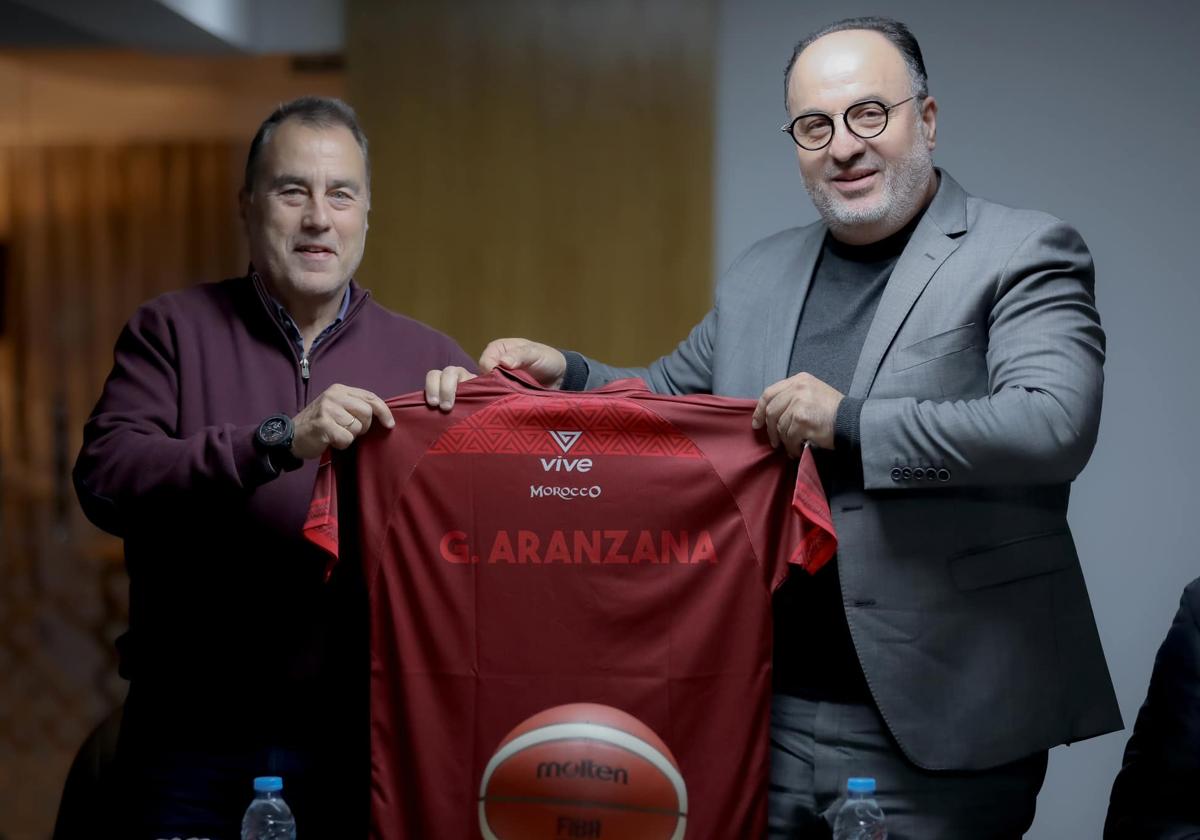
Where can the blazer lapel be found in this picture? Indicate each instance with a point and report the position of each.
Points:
(934, 239)
(786, 302)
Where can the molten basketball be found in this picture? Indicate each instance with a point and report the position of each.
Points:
(582, 770)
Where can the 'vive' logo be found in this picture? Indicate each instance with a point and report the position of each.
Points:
(566, 440)
(560, 463)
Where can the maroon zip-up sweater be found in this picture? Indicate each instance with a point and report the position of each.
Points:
(225, 596)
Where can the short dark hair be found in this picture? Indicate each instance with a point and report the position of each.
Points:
(895, 31)
(317, 111)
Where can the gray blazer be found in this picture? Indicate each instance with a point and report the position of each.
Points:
(982, 374)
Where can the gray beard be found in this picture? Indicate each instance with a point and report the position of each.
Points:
(904, 184)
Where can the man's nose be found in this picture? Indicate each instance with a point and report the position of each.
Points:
(316, 214)
(845, 145)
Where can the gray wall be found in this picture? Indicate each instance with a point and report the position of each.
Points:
(1089, 111)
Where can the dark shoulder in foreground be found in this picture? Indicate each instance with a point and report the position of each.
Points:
(394, 329)
(216, 294)
(195, 307)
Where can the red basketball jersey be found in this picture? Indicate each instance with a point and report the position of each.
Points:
(533, 548)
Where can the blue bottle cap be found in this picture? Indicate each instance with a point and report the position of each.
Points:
(860, 785)
(266, 783)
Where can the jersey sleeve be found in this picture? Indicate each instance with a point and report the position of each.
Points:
(321, 524)
(370, 476)
(781, 500)
(816, 541)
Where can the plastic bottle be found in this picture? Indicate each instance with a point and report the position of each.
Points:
(268, 817)
(860, 817)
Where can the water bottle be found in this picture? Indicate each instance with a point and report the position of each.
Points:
(860, 817)
(268, 817)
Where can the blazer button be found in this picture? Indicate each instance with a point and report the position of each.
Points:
(943, 474)
(895, 473)
(906, 473)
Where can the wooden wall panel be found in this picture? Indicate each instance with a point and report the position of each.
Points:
(118, 181)
(540, 167)
(92, 231)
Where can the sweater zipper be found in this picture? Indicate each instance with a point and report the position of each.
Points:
(302, 357)
(306, 359)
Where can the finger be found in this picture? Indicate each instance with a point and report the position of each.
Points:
(775, 388)
(760, 413)
(361, 410)
(522, 354)
(338, 417)
(433, 387)
(791, 432)
(372, 401)
(771, 424)
(348, 417)
(452, 377)
(769, 393)
(495, 352)
(366, 406)
(776, 407)
(339, 437)
(380, 409)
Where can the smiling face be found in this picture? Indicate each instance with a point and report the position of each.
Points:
(306, 215)
(865, 190)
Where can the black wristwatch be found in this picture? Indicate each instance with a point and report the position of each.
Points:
(273, 440)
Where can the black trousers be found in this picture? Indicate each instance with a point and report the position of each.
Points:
(182, 771)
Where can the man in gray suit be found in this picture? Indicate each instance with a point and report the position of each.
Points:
(944, 357)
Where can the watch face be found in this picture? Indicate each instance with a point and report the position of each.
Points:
(273, 431)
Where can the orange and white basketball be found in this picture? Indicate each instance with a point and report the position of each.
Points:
(582, 770)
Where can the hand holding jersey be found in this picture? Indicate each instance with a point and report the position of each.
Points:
(336, 418)
(544, 363)
(441, 386)
(797, 410)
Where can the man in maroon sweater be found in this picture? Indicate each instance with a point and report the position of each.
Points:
(201, 454)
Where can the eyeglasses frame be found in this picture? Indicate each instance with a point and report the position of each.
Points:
(887, 118)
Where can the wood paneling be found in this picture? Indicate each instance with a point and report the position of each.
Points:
(91, 233)
(540, 167)
(88, 97)
(118, 181)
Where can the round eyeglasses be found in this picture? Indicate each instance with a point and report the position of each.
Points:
(864, 120)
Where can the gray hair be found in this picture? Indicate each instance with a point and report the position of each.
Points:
(895, 31)
(316, 111)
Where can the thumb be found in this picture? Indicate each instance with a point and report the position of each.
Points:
(510, 353)
(756, 420)
(493, 355)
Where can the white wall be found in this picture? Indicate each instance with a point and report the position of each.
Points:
(1088, 110)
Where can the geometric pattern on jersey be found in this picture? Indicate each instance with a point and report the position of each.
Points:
(513, 426)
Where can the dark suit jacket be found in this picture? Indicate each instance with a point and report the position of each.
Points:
(1155, 796)
(982, 374)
